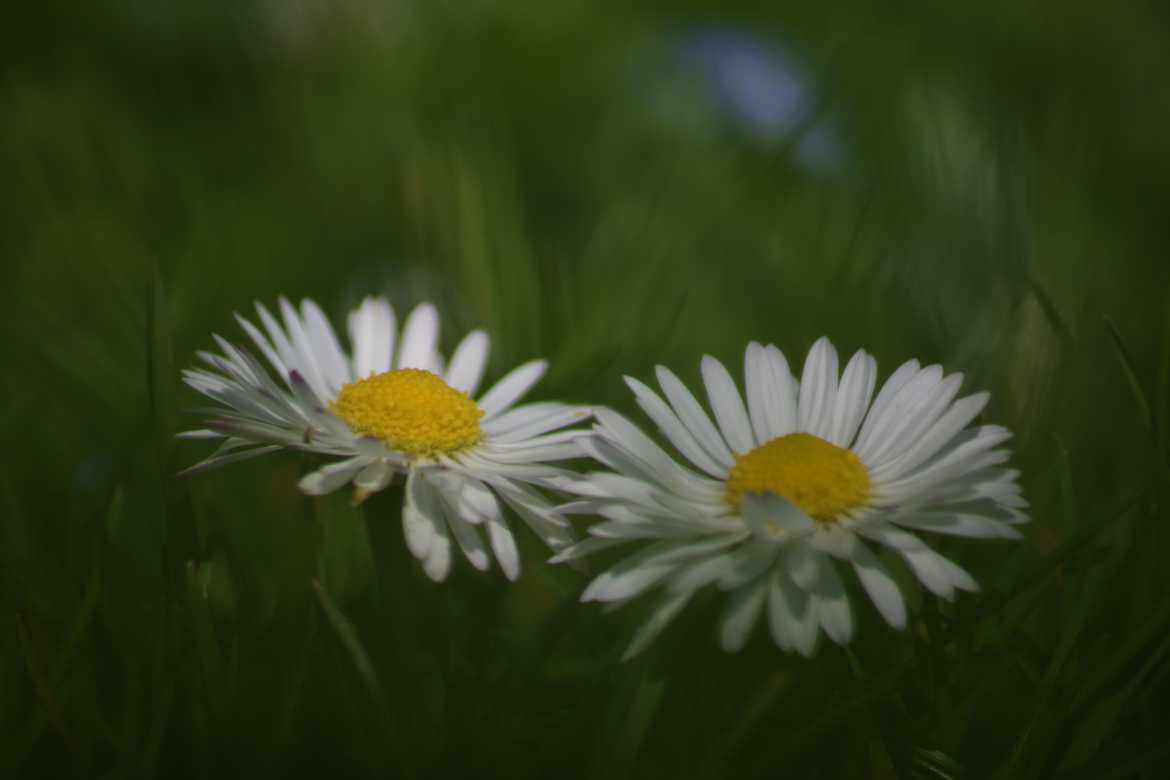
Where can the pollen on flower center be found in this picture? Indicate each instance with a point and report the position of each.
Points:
(411, 410)
(821, 479)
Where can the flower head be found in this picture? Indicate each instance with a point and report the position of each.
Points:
(394, 406)
(782, 492)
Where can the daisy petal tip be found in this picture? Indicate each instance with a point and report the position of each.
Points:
(631, 652)
(436, 574)
(897, 620)
(310, 485)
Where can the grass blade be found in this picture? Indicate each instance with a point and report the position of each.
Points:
(1051, 313)
(1127, 366)
(367, 674)
(754, 711)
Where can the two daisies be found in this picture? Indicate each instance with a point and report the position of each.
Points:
(804, 477)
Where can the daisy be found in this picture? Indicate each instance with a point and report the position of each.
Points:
(781, 495)
(392, 406)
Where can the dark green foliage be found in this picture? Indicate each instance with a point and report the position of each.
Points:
(1001, 211)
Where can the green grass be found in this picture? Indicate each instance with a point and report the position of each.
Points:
(1000, 214)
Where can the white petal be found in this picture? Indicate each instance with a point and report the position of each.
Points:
(673, 429)
(818, 389)
(469, 541)
(503, 545)
(420, 338)
(743, 610)
(963, 484)
(653, 462)
(424, 524)
(764, 389)
(792, 615)
(284, 348)
(625, 523)
(538, 450)
(265, 346)
(772, 517)
(626, 583)
(468, 362)
(973, 526)
(417, 527)
(935, 572)
(806, 632)
(199, 435)
(693, 417)
(538, 514)
(834, 540)
(584, 548)
(374, 477)
(853, 398)
(968, 453)
(647, 567)
(901, 408)
(217, 460)
(329, 478)
(335, 369)
(306, 359)
(702, 573)
(940, 434)
(479, 501)
(749, 562)
(879, 586)
(663, 613)
(550, 418)
(801, 565)
(478, 466)
(437, 564)
(784, 392)
(521, 415)
(893, 385)
(927, 567)
(727, 404)
(372, 331)
(833, 603)
(782, 598)
(920, 414)
(515, 384)
(691, 563)
(960, 578)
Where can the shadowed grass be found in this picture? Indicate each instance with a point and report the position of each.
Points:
(543, 172)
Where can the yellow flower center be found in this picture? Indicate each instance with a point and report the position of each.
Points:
(412, 410)
(823, 480)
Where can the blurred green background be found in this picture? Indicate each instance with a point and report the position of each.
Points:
(609, 185)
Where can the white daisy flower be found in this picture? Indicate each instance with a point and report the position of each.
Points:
(393, 407)
(781, 493)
